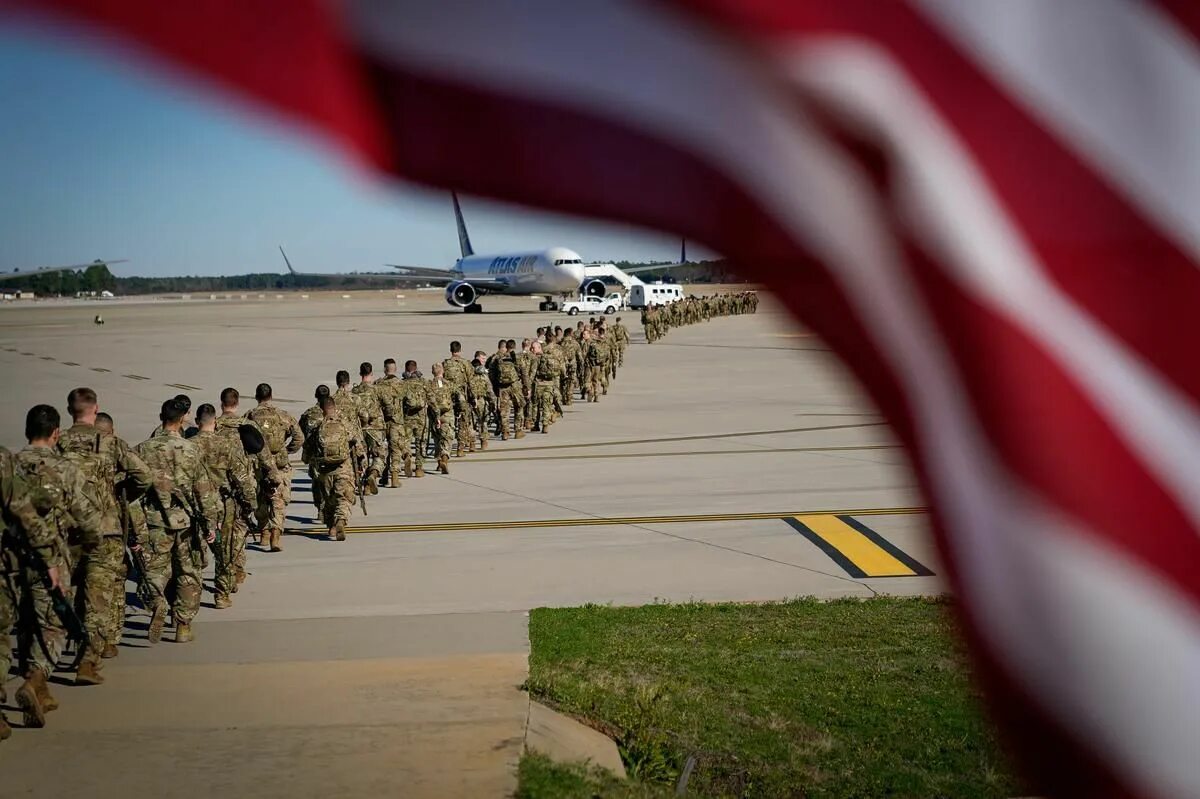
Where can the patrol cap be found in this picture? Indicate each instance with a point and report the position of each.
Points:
(252, 439)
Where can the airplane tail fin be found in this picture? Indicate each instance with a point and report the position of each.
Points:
(286, 261)
(464, 239)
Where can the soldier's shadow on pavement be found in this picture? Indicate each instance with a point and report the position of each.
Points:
(301, 520)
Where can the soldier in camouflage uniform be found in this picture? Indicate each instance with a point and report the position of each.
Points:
(190, 515)
(414, 402)
(549, 368)
(75, 518)
(371, 409)
(398, 441)
(308, 422)
(19, 506)
(233, 477)
(350, 412)
(441, 416)
(484, 401)
(328, 448)
(622, 340)
(457, 372)
(283, 437)
(570, 348)
(523, 413)
(106, 462)
(270, 478)
(594, 358)
(506, 375)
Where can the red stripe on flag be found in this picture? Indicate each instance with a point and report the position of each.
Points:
(1090, 239)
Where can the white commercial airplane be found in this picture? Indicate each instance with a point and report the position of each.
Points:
(550, 273)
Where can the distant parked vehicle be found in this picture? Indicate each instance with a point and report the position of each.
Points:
(590, 305)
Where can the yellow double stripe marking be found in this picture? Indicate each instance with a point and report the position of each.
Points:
(592, 521)
(858, 549)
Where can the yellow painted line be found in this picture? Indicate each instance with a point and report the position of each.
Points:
(594, 521)
(858, 549)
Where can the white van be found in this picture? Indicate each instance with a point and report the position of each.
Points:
(656, 293)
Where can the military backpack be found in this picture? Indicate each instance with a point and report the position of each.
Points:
(331, 444)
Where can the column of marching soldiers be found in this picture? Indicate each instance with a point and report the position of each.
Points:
(658, 319)
(84, 511)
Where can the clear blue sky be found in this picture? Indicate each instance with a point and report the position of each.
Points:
(99, 159)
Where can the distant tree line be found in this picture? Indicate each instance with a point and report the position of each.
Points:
(97, 278)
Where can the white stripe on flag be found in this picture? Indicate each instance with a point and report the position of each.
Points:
(1118, 81)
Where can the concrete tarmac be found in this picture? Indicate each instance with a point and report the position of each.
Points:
(391, 662)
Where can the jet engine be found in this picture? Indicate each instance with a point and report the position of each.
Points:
(461, 294)
(593, 288)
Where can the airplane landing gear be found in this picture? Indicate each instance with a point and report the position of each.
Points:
(548, 305)
(473, 308)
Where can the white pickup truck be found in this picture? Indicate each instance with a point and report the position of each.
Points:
(606, 305)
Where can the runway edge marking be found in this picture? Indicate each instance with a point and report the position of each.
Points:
(858, 549)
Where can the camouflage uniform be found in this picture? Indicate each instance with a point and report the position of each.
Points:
(414, 404)
(336, 480)
(484, 406)
(271, 491)
(371, 410)
(622, 341)
(549, 373)
(523, 412)
(458, 372)
(570, 377)
(353, 415)
(507, 375)
(283, 437)
(595, 362)
(191, 503)
(19, 505)
(105, 461)
(75, 517)
(232, 476)
(308, 422)
(399, 442)
(441, 412)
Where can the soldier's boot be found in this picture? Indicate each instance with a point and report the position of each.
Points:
(157, 619)
(503, 434)
(34, 715)
(276, 538)
(458, 450)
(89, 669)
(183, 633)
(42, 687)
(520, 432)
(222, 601)
(241, 578)
(110, 651)
(443, 464)
(408, 466)
(483, 441)
(5, 730)
(372, 484)
(395, 476)
(339, 531)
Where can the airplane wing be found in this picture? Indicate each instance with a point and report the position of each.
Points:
(636, 270)
(683, 261)
(45, 270)
(445, 277)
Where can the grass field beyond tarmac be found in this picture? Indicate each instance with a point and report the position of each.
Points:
(800, 698)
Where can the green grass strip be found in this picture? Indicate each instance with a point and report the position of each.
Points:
(850, 698)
